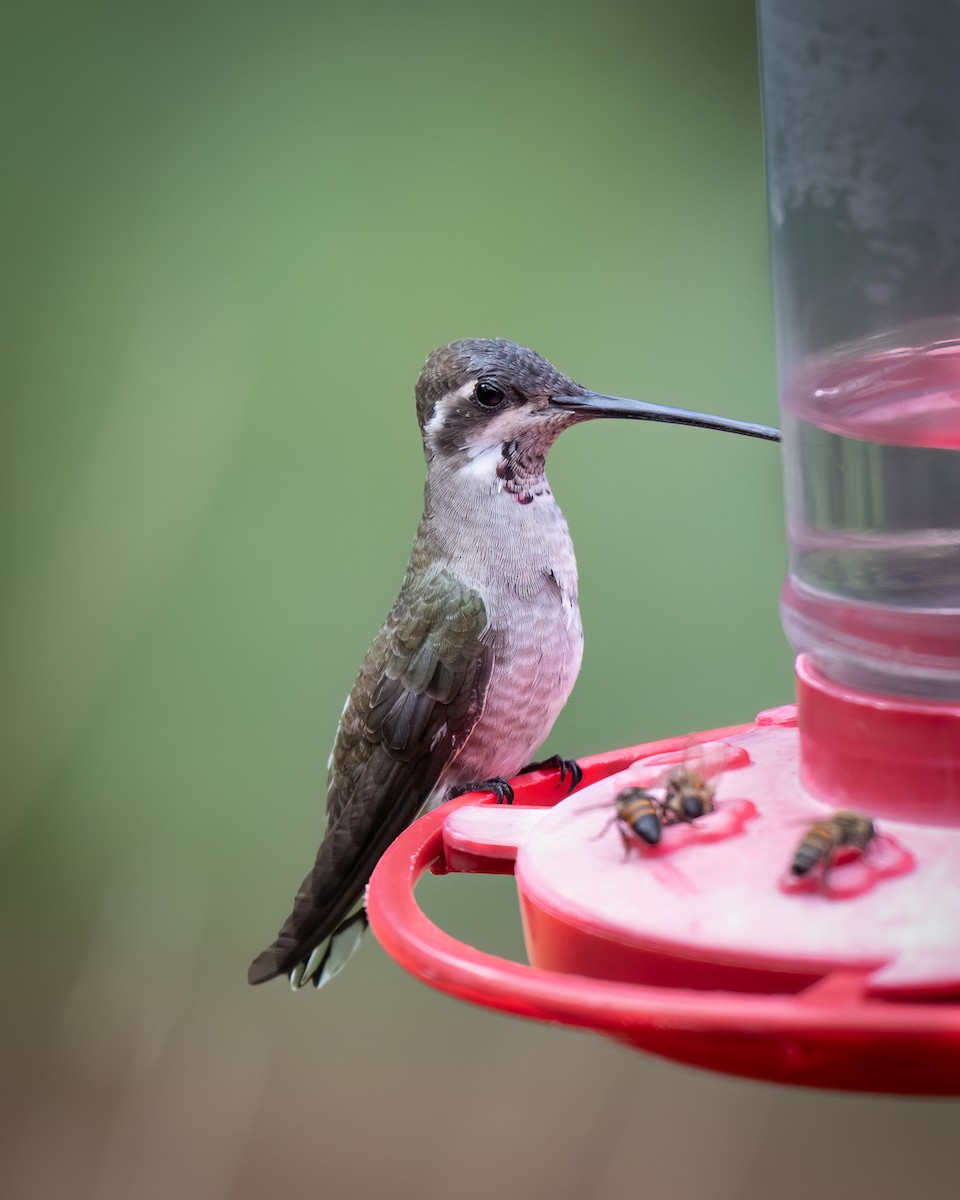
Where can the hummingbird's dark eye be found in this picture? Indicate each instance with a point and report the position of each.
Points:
(488, 395)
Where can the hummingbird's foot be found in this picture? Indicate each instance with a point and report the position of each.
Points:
(498, 786)
(566, 766)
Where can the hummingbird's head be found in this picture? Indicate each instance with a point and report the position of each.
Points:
(475, 395)
(480, 400)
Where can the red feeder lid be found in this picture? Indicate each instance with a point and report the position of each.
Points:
(705, 948)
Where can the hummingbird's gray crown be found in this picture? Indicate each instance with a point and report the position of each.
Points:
(477, 378)
(520, 372)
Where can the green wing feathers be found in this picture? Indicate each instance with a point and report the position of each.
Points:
(416, 700)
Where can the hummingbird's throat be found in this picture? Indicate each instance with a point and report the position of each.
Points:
(520, 471)
(508, 456)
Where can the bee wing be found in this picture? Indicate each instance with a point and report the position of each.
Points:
(710, 759)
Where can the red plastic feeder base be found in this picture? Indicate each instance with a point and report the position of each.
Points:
(705, 948)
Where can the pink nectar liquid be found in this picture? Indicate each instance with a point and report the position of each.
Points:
(871, 447)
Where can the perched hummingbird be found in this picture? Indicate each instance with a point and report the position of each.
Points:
(483, 645)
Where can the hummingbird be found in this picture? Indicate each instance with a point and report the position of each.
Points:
(483, 645)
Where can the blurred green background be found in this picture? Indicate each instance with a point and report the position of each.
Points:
(231, 234)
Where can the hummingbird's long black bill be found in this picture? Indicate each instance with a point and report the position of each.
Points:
(593, 404)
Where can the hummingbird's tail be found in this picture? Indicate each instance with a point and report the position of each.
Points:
(327, 921)
(321, 963)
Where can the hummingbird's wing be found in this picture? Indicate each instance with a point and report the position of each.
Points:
(415, 702)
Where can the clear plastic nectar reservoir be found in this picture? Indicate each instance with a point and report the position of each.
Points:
(862, 133)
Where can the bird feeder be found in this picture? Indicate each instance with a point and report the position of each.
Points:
(710, 946)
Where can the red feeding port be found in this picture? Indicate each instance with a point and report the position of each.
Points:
(706, 948)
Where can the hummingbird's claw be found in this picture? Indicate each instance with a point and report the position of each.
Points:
(566, 766)
(498, 786)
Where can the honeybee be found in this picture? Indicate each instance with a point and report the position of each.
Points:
(688, 795)
(676, 794)
(638, 810)
(825, 838)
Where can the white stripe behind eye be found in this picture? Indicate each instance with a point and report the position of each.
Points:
(444, 404)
